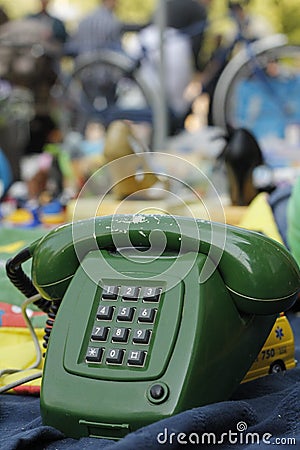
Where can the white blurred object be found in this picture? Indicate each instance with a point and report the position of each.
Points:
(178, 62)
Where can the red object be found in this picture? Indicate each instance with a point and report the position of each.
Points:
(11, 315)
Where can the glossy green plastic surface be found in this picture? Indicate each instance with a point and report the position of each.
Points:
(249, 262)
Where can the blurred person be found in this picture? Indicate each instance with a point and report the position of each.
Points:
(3, 16)
(246, 25)
(57, 26)
(99, 29)
(47, 65)
(178, 68)
(189, 17)
(186, 21)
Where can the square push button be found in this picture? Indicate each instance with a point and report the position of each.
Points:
(115, 356)
(93, 354)
(125, 314)
(151, 294)
(136, 358)
(141, 336)
(105, 312)
(130, 293)
(120, 335)
(147, 315)
(99, 333)
(110, 292)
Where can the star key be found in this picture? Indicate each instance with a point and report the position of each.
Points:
(94, 354)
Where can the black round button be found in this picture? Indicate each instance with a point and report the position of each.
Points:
(158, 392)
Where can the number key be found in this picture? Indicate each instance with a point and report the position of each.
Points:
(105, 312)
(115, 356)
(125, 314)
(99, 333)
(120, 335)
(151, 294)
(147, 315)
(130, 292)
(141, 336)
(110, 292)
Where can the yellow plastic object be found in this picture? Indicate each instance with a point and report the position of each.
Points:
(21, 217)
(259, 217)
(53, 219)
(17, 351)
(278, 352)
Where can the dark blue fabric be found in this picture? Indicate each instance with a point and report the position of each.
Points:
(268, 409)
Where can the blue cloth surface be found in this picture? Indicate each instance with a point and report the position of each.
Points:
(261, 413)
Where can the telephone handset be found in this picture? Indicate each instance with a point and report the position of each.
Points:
(157, 314)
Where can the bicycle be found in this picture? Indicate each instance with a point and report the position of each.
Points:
(123, 88)
(259, 87)
(120, 91)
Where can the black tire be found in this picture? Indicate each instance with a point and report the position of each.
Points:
(277, 366)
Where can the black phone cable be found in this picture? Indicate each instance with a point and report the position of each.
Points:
(49, 323)
(22, 282)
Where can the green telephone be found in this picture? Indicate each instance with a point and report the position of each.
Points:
(150, 315)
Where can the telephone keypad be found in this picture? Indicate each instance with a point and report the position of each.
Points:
(138, 326)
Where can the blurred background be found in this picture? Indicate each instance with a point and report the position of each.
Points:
(283, 14)
(38, 124)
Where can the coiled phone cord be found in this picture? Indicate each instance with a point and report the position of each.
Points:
(51, 318)
(18, 277)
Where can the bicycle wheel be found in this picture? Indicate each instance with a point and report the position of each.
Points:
(107, 85)
(259, 88)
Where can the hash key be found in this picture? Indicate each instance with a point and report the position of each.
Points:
(136, 358)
